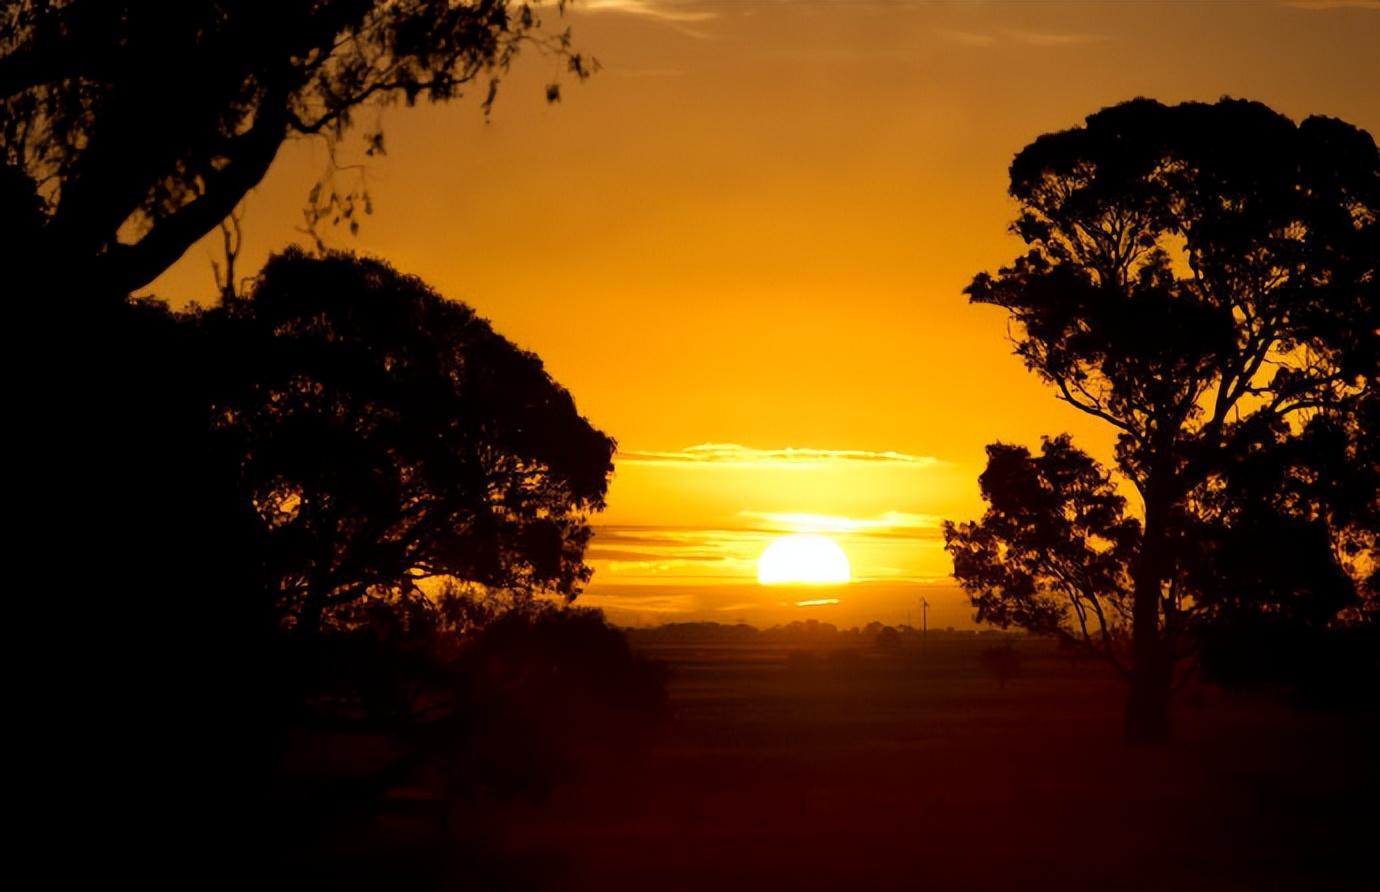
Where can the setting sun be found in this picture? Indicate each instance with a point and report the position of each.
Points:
(803, 559)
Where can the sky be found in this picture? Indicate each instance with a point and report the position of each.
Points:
(742, 246)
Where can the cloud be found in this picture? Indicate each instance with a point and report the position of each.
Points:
(659, 602)
(683, 568)
(659, 10)
(1323, 5)
(679, 16)
(734, 455)
(1046, 38)
(832, 523)
(976, 39)
(639, 535)
(648, 72)
(626, 556)
(890, 601)
(672, 553)
(653, 554)
(965, 38)
(662, 536)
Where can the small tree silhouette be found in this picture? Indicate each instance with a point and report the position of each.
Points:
(1053, 551)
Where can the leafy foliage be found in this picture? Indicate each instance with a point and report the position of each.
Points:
(1206, 279)
(128, 130)
(387, 436)
(1192, 265)
(1053, 550)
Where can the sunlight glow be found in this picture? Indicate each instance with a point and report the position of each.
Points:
(803, 559)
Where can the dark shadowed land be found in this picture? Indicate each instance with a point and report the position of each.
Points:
(867, 768)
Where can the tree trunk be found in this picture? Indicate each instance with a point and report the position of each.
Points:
(1147, 706)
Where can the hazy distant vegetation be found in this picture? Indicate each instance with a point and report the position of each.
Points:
(804, 632)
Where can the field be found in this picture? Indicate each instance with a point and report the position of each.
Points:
(789, 768)
(782, 769)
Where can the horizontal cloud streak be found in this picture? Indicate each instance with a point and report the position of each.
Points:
(890, 601)
(965, 38)
(1324, 5)
(1045, 38)
(674, 553)
(977, 39)
(734, 455)
(649, 554)
(831, 523)
(649, 9)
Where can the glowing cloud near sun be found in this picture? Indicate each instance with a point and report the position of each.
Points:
(803, 560)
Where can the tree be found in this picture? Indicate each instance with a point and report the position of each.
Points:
(129, 130)
(383, 438)
(386, 436)
(1261, 561)
(1283, 560)
(1195, 274)
(1339, 478)
(1053, 552)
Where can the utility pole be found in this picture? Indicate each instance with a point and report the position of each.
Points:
(924, 624)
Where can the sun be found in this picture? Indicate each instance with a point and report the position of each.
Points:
(811, 560)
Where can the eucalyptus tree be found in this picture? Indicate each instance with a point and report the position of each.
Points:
(1203, 279)
(129, 129)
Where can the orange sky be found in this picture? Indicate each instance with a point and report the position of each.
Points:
(751, 230)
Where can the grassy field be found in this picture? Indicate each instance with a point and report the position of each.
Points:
(863, 769)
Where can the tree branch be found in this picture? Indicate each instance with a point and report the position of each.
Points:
(130, 267)
(1068, 397)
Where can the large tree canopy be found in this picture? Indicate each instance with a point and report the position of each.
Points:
(1190, 265)
(128, 130)
(386, 435)
(1202, 277)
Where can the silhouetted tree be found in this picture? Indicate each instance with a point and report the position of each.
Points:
(262, 488)
(1338, 471)
(1282, 555)
(1196, 274)
(1053, 552)
(128, 130)
(1259, 573)
(386, 436)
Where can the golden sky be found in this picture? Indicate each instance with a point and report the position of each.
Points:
(742, 246)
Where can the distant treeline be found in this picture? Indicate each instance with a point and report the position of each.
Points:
(811, 632)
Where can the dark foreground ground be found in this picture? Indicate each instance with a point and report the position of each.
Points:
(897, 770)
